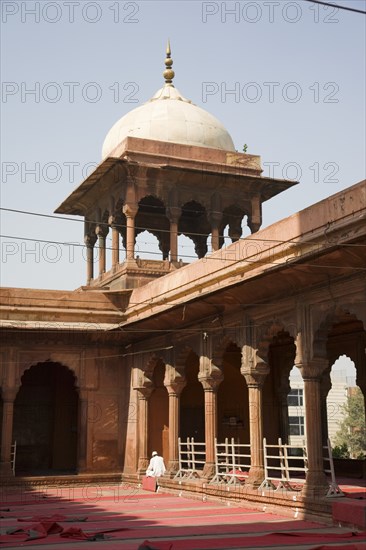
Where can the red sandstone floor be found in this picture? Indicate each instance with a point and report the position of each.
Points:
(127, 516)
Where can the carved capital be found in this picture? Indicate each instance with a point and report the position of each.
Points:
(130, 210)
(211, 383)
(175, 387)
(255, 376)
(215, 217)
(90, 240)
(313, 370)
(173, 213)
(9, 394)
(144, 392)
(102, 230)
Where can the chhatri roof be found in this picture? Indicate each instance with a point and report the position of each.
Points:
(169, 117)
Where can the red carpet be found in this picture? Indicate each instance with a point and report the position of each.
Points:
(128, 520)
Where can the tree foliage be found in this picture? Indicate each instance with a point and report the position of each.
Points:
(352, 429)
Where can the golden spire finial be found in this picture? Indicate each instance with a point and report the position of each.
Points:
(168, 74)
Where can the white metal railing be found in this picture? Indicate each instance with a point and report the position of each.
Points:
(13, 454)
(281, 468)
(192, 458)
(334, 489)
(230, 459)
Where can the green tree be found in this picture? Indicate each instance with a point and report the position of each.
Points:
(352, 429)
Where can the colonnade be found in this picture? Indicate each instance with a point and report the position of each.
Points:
(96, 234)
(316, 482)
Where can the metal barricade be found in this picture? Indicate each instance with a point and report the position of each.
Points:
(283, 469)
(192, 458)
(334, 489)
(13, 454)
(230, 459)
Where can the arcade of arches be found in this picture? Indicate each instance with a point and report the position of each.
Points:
(93, 380)
(218, 384)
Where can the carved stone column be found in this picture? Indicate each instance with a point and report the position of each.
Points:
(174, 213)
(210, 385)
(115, 242)
(143, 428)
(130, 210)
(174, 390)
(90, 241)
(215, 219)
(8, 397)
(255, 378)
(255, 218)
(101, 232)
(316, 483)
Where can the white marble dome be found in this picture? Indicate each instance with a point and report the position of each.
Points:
(168, 116)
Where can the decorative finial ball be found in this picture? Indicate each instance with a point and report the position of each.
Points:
(168, 62)
(168, 74)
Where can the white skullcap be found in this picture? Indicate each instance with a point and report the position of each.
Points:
(154, 453)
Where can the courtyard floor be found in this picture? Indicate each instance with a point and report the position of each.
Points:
(124, 517)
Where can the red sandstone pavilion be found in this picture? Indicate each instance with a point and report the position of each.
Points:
(149, 351)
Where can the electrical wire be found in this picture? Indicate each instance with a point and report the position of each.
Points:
(330, 5)
(148, 229)
(188, 256)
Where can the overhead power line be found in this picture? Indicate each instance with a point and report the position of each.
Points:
(234, 261)
(330, 5)
(148, 229)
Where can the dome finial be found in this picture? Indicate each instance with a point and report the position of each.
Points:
(168, 74)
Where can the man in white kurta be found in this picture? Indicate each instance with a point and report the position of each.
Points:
(156, 467)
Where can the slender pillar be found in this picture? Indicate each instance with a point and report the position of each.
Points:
(215, 238)
(215, 219)
(101, 233)
(210, 385)
(130, 211)
(143, 408)
(174, 390)
(89, 243)
(8, 397)
(255, 379)
(115, 247)
(174, 213)
(316, 483)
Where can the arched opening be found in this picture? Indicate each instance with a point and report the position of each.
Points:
(147, 246)
(159, 415)
(232, 399)
(346, 411)
(245, 229)
(186, 252)
(192, 403)
(296, 408)
(193, 223)
(232, 217)
(225, 239)
(45, 420)
(277, 388)
(344, 387)
(151, 217)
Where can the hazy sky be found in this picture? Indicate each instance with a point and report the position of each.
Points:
(286, 78)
